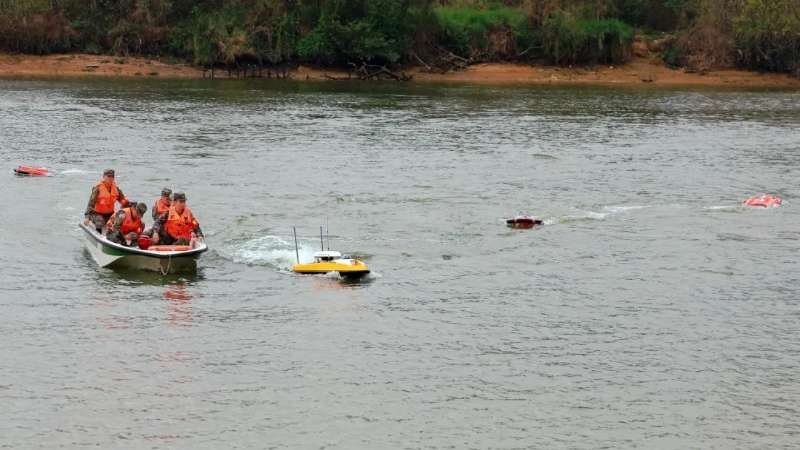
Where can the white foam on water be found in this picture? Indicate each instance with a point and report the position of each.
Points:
(603, 214)
(723, 207)
(365, 279)
(617, 209)
(585, 215)
(73, 172)
(271, 250)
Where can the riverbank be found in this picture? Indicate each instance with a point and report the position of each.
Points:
(644, 71)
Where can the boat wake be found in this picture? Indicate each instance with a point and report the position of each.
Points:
(74, 172)
(372, 276)
(272, 251)
(724, 208)
(618, 209)
(580, 217)
(604, 213)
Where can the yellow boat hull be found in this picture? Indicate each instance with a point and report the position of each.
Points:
(356, 269)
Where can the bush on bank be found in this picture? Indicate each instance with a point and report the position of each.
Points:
(757, 34)
(569, 40)
(767, 35)
(492, 33)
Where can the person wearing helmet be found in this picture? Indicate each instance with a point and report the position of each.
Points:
(162, 203)
(126, 225)
(105, 195)
(178, 225)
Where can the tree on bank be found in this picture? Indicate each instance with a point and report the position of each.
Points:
(756, 34)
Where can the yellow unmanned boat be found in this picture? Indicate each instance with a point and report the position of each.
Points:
(330, 261)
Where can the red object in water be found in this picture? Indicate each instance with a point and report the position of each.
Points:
(144, 242)
(523, 222)
(764, 201)
(32, 171)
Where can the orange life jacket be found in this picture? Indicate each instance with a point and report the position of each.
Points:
(129, 224)
(161, 207)
(180, 225)
(106, 198)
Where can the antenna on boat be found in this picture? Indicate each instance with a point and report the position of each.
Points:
(322, 243)
(328, 233)
(296, 251)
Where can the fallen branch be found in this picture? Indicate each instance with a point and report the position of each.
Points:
(449, 61)
(528, 49)
(427, 66)
(371, 71)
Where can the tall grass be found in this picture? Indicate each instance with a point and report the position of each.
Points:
(569, 40)
(36, 33)
(494, 32)
(767, 35)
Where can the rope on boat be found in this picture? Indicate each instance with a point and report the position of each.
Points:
(169, 265)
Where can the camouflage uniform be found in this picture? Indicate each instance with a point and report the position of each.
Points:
(115, 235)
(166, 192)
(99, 220)
(163, 236)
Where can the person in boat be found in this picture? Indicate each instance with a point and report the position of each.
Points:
(103, 200)
(162, 203)
(177, 226)
(126, 225)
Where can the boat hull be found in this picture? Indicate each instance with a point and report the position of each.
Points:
(345, 268)
(115, 256)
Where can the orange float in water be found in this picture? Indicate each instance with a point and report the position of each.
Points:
(763, 201)
(32, 171)
(523, 222)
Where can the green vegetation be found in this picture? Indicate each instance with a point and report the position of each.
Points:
(767, 35)
(570, 40)
(757, 34)
(491, 33)
(367, 30)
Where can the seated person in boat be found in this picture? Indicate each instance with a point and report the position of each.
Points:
(162, 203)
(105, 195)
(126, 225)
(177, 226)
(160, 207)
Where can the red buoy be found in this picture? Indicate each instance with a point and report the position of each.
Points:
(31, 171)
(523, 222)
(763, 201)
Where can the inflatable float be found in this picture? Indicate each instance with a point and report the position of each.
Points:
(31, 171)
(763, 201)
(524, 222)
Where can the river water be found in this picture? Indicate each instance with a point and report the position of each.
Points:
(651, 310)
